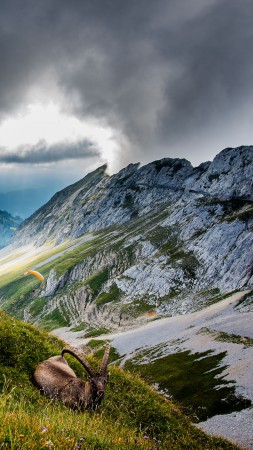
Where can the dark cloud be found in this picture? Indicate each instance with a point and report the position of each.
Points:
(43, 153)
(168, 76)
(215, 69)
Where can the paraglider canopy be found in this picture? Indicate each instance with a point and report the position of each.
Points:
(35, 273)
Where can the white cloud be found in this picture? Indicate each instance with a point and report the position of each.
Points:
(39, 134)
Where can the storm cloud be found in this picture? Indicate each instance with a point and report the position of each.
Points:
(172, 78)
(42, 153)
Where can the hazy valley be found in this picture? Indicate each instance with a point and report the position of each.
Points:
(8, 227)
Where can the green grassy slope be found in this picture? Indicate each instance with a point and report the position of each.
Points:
(132, 415)
(196, 380)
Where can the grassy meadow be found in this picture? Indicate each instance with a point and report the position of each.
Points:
(132, 416)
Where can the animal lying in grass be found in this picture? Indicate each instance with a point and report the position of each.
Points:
(56, 379)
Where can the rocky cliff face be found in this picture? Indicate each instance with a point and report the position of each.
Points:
(165, 238)
(228, 176)
(98, 201)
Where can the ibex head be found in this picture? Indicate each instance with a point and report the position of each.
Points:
(55, 378)
(97, 380)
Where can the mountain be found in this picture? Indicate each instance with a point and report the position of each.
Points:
(98, 201)
(164, 238)
(24, 201)
(163, 241)
(8, 226)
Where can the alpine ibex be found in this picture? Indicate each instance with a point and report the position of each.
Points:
(56, 379)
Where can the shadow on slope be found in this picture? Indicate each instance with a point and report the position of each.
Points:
(195, 380)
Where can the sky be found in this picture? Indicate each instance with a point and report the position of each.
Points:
(89, 82)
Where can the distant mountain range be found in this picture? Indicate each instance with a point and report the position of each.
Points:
(165, 238)
(23, 202)
(8, 226)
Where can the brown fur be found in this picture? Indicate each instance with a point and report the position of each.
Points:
(56, 379)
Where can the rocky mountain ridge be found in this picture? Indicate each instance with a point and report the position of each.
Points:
(165, 238)
(98, 200)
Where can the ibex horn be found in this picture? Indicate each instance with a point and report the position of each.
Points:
(105, 359)
(81, 359)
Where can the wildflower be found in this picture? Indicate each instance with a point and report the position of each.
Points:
(49, 444)
(81, 439)
(78, 446)
(145, 437)
(44, 429)
(21, 436)
(174, 410)
(136, 441)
